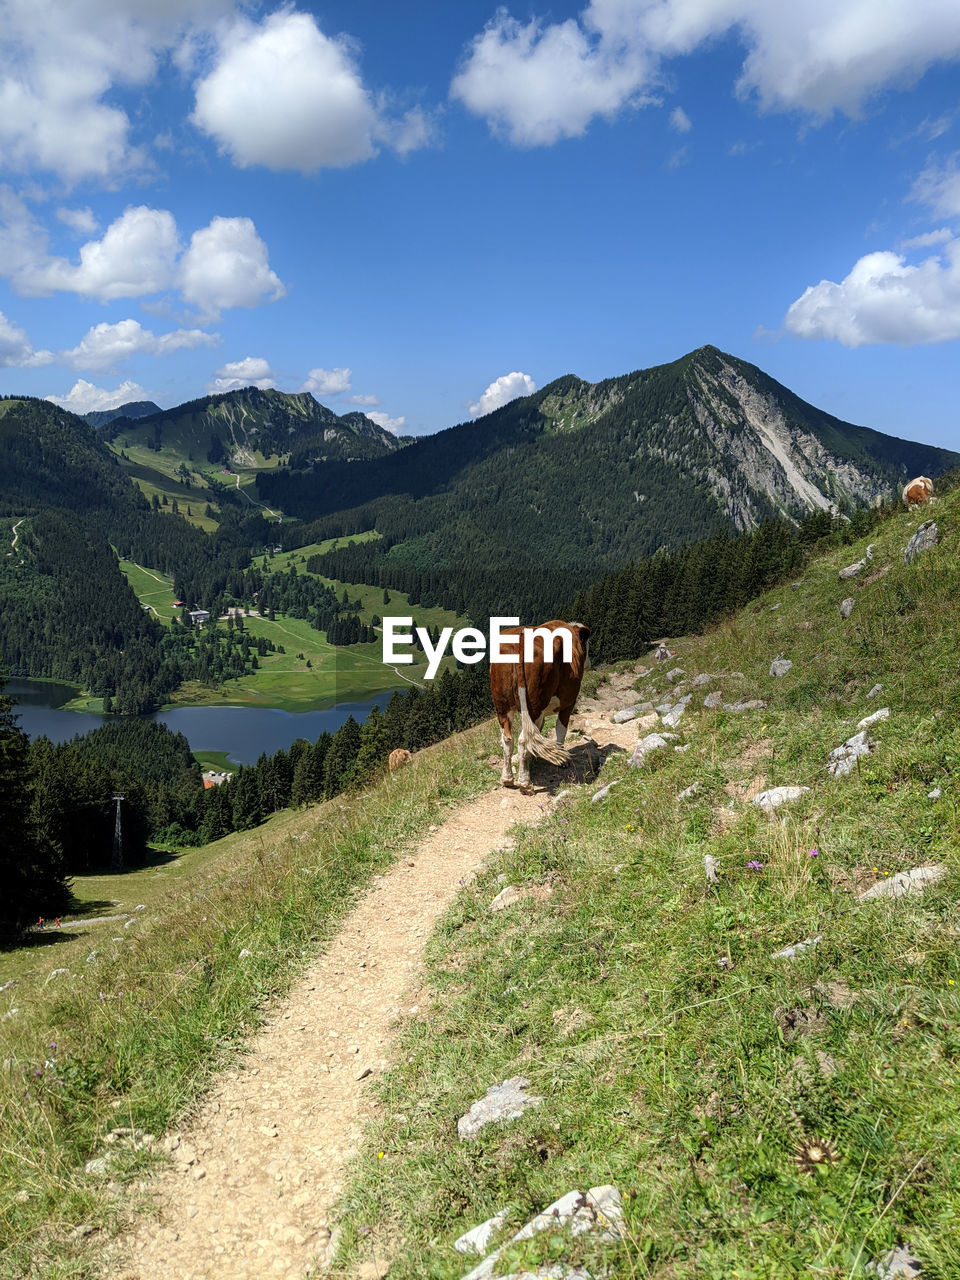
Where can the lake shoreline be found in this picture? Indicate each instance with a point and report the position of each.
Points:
(239, 732)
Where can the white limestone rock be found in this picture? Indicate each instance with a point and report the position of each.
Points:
(506, 1101)
(652, 742)
(798, 948)
(904, 883)
(843, 759)
(505, 898)
(604, 791)
(478, 1238)
(867, 721)
(926, 537)
(776, 796)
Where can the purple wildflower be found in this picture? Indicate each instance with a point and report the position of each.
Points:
(755, 866)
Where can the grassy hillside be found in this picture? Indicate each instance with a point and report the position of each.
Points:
(764, 1117)
(129, 1022)
(678, 1057)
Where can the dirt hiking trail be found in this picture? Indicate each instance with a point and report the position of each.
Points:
(257, 1170)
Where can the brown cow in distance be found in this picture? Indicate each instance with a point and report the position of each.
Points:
(397, 759)
(918, 492)
(537, 689)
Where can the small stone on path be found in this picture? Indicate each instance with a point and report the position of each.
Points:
(935, 794)
(627, 714)
(847, 606)
(877, 688)
(779, 667)
(604, 791)
(753, 704)
(692, 790)
(713, 700)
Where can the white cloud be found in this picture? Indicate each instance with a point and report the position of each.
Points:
(80, 220)
(884, 299)
(226, 265)
(16, 350)
(928, 239)
(283, 95)
(938, 186)
(105, 345)
(393, 425)
(501, 391)
(60, 61)
(84, 397)
(327, 382)
(134, 257)
(252, 371)
(536, 83)
(680, 121)
(365, 400)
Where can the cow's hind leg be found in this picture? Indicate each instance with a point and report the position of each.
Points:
(506, 742)
(563, 723)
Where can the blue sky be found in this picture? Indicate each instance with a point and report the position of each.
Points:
(422, 210)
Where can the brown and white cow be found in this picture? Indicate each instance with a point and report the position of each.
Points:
(918, 492)
(397, 759)
(536, 689)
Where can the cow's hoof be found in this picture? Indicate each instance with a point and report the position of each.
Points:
(527, 791)
(505, 783)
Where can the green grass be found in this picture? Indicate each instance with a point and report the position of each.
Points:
(681, 1080)
(350, 673)
(152, 588)
(371, 598)
(185, 444)
(196, 496)
(281, 562)
(214, 761)
(347, 673)
(132, 1035)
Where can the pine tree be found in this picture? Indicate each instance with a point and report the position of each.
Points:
(30, 864)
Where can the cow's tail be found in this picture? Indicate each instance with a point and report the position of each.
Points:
(531, 739)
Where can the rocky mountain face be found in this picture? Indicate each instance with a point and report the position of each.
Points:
(758, 448)
(555, 489)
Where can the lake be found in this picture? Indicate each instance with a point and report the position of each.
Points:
(243, 732)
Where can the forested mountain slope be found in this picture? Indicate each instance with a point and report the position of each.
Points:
(132, 409)
(245, 428)
(578, 478)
